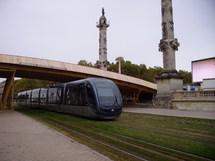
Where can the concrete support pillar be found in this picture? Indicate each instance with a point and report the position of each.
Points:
(8, 93)
(10, 100)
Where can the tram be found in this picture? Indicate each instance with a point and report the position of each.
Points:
(96, 98)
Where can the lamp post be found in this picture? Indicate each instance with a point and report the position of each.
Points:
(119, 59)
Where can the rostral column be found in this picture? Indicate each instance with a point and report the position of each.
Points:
(169, 80)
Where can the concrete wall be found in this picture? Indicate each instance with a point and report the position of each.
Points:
(194, 100)
(194, 105)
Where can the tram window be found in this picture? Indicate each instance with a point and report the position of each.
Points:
(75, 96)
(58, 97)
(21, 97)
(90, 95)
(105, 92)
(35, 95)
(52, 95)
(28, 96)
(43, 95)
(55, 95)
(106, 96)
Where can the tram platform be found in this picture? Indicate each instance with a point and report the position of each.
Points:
(24, 139)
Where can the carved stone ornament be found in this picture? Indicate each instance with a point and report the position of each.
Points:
(165, 44)
(98, 64)
(164, 30)
(106, 63)
(174, 44)
(171, 25)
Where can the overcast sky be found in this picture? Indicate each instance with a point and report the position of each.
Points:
(65, 30)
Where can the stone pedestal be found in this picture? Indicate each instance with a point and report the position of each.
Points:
(162, 101)
(167, 82)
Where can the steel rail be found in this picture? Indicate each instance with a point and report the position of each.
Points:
(98, 141)
(145, 142)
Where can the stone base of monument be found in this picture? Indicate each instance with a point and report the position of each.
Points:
(162, 101)
(167, 82)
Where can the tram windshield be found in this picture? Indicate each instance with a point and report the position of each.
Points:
(108, 94)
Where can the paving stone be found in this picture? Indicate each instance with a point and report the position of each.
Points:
(24, 139)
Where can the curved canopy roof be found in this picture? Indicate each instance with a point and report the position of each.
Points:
(28, 67)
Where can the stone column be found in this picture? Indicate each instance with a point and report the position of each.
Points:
(169, 80)
(102, 63)
(168, 44)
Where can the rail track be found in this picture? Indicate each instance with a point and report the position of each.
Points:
(167, 133)
(136, 146)
(98, 141)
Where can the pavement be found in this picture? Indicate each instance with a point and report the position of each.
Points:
(171, 112)
(24, 139)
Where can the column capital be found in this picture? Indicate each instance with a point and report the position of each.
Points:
(166, 43)
(102, 65)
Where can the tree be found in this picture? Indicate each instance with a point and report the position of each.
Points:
(130, 69)
(153, 72)
(85, 63)
(113, 67)
(140, 71)
(187, 76)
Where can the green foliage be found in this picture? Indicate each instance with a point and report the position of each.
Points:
(153, 72)
(140, 71)
(85, 63)
(187, 76)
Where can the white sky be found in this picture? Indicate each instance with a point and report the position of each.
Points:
(65, 30)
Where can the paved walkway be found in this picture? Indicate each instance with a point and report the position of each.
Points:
(170, 112)
(24, 139)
